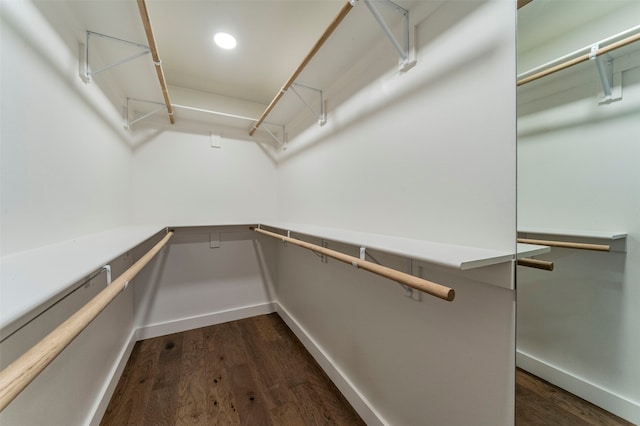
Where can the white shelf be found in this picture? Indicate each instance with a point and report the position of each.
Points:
(604, 235)
(530, 250)
(448, 255)
(30, 281)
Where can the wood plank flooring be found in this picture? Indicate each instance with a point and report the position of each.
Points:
(540, 403)
(256, 372)
(248, 372)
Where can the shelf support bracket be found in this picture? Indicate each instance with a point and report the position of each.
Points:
(128, 123)
(283, 141)
(86, 73)
(401, 47)
(604, 65)
(321, 116)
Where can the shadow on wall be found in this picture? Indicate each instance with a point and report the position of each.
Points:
(394, 87)
(582, 302)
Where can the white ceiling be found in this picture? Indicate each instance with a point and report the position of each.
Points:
(273, 38)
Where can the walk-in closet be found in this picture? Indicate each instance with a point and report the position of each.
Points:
(313, 212)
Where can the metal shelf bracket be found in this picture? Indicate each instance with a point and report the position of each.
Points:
(321, 116)
(86, 73)
(128, 122)
(611, 90)
(401, 47)
(282, 141)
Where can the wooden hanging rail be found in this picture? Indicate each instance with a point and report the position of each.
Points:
(144, 14)
(25, 369)
(566, 244)
(332, 26)
(582, 58)
(536, 263)
(412, 281)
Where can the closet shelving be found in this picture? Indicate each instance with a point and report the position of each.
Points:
(588, 240)
(27, 290)
(308, 96)
(441, 254)
(34, 280)
(599, 53)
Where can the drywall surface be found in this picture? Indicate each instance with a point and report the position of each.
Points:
(427, 154)
(579, 168)
(418, 154)
(66, 170)
(179, 178)
(204, 271)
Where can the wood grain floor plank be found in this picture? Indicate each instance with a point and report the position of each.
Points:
(541, 403)
(162, 408)
(129, 400)
(250, 404)
(192, 388)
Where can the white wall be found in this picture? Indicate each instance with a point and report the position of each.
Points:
(66, 170)
(179, 179)
(206, 276)
(429, 154)
(579, 168)
(65, 173)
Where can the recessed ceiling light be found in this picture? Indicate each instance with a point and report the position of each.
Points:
(224, 40)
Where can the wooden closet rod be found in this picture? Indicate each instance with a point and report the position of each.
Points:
(412, 281)
(536, 263)
(566, 244)
(579, 59)
(144, 14)
(25, 369)
(332, 26)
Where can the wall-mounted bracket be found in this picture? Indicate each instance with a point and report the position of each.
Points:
(321, 116)
(283, 141)
(324, 258)
(611, 88)
(128, 123)
(86, 74)
(401, 47)
(107, 269)
(363, 253)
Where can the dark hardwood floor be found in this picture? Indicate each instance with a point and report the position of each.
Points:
(256, 372)
(248, 372)
(540, 403)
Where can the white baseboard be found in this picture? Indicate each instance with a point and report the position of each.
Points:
(99, 408)
(368, 413)
(184, 324)
(616, 404)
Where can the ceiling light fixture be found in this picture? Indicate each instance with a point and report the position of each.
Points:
(224, 40)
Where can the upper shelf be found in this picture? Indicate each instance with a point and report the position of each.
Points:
(448, 255)
(31, 281)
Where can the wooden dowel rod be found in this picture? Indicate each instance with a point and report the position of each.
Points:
(536, 263)
(25, 369)
(579, 59)
(412, 281)
(146, 21)
(566, 244)
(332, 26)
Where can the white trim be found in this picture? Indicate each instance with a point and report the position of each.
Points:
(358, 401)
(184, 324)
(604, 398)
(104, 397)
